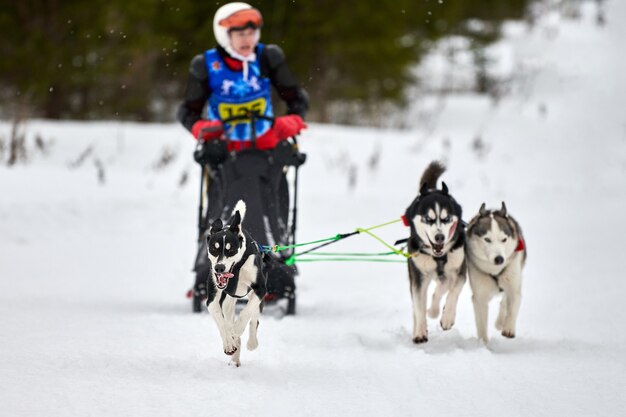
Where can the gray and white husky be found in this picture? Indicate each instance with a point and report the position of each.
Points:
(236, 272)
(437, 252)
(496, 254)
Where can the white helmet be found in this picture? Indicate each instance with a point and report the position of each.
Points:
(235, 15)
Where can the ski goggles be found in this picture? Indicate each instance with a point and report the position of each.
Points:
(242, 20)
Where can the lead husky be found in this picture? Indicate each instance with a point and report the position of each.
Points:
(436, 246)
(235, 272)
(496, 254)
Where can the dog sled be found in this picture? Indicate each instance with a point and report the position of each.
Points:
(267, 180)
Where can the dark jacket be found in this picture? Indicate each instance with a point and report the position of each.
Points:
(273, 66)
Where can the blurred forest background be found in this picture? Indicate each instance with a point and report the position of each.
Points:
(128, 60)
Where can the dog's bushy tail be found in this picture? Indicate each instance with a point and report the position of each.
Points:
(431, 175)
(241, 207)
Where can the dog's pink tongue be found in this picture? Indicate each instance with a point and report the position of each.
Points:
(223, 278)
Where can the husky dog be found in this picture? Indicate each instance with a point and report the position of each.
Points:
(496, 254)
(437, 252)
(235, 272)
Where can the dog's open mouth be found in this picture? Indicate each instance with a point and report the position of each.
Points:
(221, 280)
(437, 248)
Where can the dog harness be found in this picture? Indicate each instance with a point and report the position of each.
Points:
(495, 278)
(439, 261)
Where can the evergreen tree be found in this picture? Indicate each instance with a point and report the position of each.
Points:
(129, 59)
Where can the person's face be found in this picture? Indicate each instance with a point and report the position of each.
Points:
(243, 41)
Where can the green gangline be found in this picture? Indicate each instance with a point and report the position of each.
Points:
(349, 260)
(356, 256)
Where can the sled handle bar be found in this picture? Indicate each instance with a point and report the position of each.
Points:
(252, 116)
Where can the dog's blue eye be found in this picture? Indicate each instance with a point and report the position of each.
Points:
(445, 219)
(487, 240)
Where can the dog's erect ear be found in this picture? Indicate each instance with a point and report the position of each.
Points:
(444, 188)
(234, 226)
(503, 209)
(216, 226)
(424, 189)
(482, 211)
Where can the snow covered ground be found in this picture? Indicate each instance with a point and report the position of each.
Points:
(93, 275)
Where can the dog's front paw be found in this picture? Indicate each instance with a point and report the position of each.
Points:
(508, 329)
(420, 336)
(232, 346)
(447, 320)
(230, 350)
(508, 333)
(446, 323)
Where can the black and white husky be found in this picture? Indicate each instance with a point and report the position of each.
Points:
(496, 254)
(437, 252)
(235, 272)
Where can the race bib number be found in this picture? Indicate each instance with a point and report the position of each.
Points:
(228, 110)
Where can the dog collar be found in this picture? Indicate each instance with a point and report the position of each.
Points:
(520, 245)
(496, 279)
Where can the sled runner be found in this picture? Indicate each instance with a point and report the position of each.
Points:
(260, 178)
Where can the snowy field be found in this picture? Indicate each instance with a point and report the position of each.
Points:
(93, 272)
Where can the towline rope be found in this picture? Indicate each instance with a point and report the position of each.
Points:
(370, 257)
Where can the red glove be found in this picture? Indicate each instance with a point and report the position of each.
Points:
(268, 140)
(287, 126)
(207, 129)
